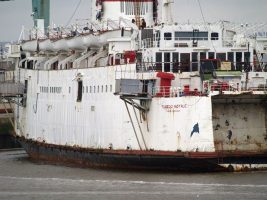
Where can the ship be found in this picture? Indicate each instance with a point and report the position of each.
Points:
(126, 90)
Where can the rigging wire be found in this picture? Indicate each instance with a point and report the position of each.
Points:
(78, 5)
(207, 28)
(205, 22)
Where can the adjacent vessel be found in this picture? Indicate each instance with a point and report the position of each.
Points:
(128, 91)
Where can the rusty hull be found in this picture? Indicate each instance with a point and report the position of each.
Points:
(133, 159)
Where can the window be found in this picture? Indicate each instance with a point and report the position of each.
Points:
(86, 89)
(167, 60)
(214, 36)
(69, 89)
(211, 55)
(175, 60)
(158, 61)
(102, 88)
(194, 61)
(110, 88)
(239, 58)
(183, 35)
(247, 57)
(185, 62)
(80, 91)
(221, 56)
(203, 55)
(167, 36)
(230, 56)
(90, 89)
(106, 88)
(98, 89)
(201, 35)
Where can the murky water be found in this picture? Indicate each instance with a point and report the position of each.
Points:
(23, 179)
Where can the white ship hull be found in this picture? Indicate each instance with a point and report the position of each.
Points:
(100, 121)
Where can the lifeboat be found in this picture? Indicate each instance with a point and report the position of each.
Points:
(31, 45)
(46, 45)
(60, 45)
(75, 43)
(91, 40)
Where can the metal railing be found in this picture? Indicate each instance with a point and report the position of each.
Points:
(230, 86)
(189, 42)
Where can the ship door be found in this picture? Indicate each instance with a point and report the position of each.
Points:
(80, 91)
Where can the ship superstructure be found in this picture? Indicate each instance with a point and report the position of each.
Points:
(127, 90)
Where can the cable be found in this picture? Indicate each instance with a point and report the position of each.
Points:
(78, 5)
(205, 24)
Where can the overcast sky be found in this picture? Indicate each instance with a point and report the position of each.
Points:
(16, 13)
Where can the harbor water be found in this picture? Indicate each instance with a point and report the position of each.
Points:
(23, 179)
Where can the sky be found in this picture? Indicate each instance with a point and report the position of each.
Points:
(15, 14)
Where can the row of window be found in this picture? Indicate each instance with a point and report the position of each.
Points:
(57, 90)
(193, 35)
(97, 89)
(131, 8)
(85, 89)
(195, 56)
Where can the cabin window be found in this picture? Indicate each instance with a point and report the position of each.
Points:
(90, 89)
(194, 61)
(221, 56)
(247, 57)
(158, 61)
(167, 36)
(239, 58)
(230, 56)
(167, 60)
(106, 88)
(98, 89)
(183, 35)
(175, 62)
(211, 55)
(201, 35)
(86, 89)
(203, 55)
(80, 91)
(69, 89)
(94, 89)
(110, 88)
(214, 36)
(185, 62)
(102, 88)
